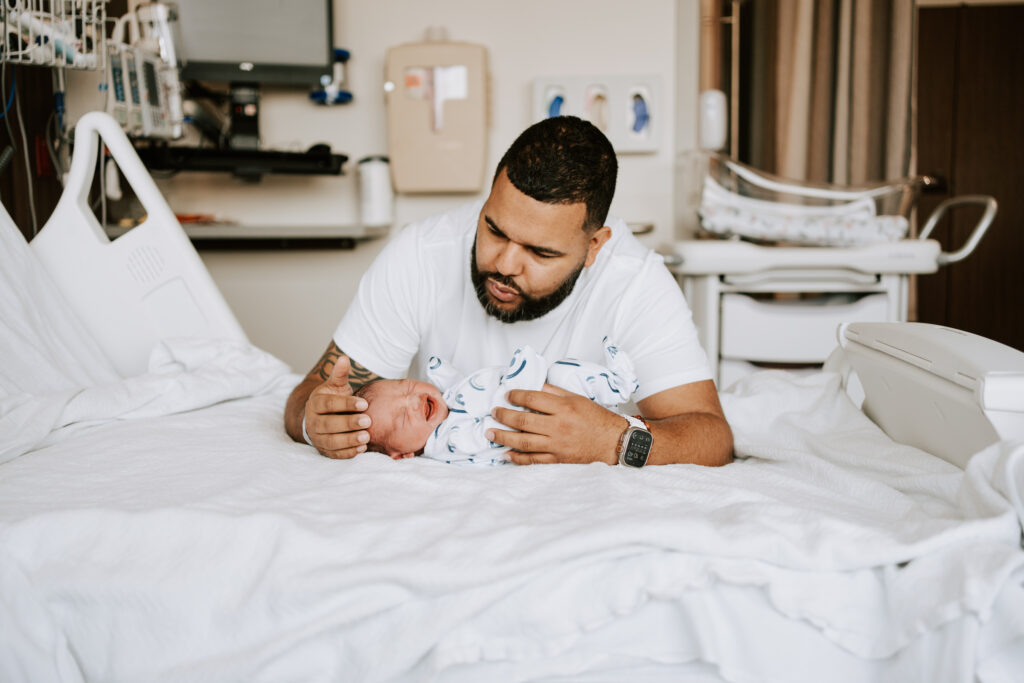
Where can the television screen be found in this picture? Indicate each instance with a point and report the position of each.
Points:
(256, 41)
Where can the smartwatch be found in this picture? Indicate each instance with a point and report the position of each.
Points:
(635, 443)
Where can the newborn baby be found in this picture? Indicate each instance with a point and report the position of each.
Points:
(447, 419)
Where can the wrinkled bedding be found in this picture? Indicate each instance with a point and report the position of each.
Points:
(164, 528)
(206, 545)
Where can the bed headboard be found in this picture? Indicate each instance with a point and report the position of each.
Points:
(945, 391)
(147, 285)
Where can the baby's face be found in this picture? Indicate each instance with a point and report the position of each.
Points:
(404, 413)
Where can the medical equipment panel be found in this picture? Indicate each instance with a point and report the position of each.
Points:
(142, 74)
(120, 103)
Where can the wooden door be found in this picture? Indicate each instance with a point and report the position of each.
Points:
(971, 130)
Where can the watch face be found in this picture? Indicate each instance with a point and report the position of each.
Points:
(637, 448)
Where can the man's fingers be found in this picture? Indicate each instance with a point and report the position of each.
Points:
(557, 391)
(339, 374)
(343, 454)
(326, 403)
(517, 419)
(338, 441)
(518, 441)
(538, 401)
(349, 423)
(533, 458)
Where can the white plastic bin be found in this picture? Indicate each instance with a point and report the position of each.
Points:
(792, 331)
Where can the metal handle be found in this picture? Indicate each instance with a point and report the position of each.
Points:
(672, 260)
(945, 258)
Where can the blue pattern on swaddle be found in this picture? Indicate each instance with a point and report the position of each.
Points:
(609, 385)
(471, 400)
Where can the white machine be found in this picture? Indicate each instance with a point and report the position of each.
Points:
(145, 97)
(756, 305)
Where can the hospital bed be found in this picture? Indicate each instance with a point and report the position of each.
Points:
(159, 525)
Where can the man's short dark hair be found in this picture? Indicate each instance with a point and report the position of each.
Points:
(564, 160)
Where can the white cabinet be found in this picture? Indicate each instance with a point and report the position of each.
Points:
(752, 314)
(801, 330)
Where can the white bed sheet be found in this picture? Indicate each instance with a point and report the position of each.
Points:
(205, 545)
(164, 528)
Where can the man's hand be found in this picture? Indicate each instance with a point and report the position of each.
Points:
(686, 422)
(562, 427)
(334, 417)
(335, 422)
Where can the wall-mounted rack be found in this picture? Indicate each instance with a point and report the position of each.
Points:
(55, 33)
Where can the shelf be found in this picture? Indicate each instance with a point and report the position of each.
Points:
(235, 236)
(244, 163)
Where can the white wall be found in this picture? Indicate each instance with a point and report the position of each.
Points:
(290, 301)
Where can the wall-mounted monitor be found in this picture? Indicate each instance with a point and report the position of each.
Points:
(256, 41)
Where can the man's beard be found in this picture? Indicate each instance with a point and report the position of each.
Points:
(530, 308)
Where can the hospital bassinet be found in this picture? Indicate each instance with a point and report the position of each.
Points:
(778, 264)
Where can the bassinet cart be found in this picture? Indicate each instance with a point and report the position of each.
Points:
(788, 261)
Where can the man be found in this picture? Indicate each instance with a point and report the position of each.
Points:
(535, 264)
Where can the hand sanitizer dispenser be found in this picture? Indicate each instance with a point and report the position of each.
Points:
(436, 94)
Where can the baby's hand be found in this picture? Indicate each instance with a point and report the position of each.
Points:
(403, 456)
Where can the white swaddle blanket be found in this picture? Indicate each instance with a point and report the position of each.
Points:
(729, 214)
(472, 399)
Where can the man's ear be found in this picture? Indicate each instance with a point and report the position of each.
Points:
(597, 240)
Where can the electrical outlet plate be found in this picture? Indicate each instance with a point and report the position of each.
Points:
(627, 108)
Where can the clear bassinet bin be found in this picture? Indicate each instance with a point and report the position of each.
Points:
(730, 199)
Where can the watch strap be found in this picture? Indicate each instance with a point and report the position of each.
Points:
(636, 424)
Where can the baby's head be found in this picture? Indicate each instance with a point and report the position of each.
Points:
(403, 413)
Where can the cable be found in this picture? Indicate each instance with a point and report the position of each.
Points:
(52, 149)
(5, 157)
(10, 99)
(3, 88)
(28, 166)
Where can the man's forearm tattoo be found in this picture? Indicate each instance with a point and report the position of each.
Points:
(360, 376)
(327, 361)
(357, 376)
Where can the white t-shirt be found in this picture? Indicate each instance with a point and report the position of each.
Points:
(417, 300)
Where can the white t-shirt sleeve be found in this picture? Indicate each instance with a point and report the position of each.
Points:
(658, 332)
(381, 330)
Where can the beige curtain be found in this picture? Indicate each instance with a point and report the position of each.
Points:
(840, 73)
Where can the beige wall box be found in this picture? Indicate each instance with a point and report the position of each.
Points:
(436, 95)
